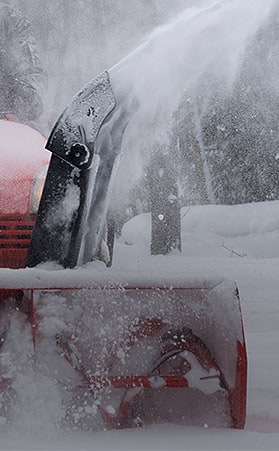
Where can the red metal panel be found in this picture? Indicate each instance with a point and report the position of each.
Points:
(15, 235)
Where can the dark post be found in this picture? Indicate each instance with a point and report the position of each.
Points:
(165, 206)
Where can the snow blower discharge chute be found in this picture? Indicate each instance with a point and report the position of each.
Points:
(140, 350)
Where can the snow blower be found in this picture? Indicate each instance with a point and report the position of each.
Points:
(123, 350)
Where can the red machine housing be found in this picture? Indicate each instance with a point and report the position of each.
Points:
(23, 160)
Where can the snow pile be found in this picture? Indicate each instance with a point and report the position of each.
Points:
(247, 230)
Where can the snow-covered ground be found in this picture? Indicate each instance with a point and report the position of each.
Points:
(236, 242)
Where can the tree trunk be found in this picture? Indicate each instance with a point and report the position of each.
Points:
(165, 207)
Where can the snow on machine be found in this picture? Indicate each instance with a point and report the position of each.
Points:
(123, 350)
(23, 169)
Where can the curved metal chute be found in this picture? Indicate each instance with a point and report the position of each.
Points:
(85, 145)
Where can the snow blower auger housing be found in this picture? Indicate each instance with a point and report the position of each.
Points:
(144, 353)
(135, 349)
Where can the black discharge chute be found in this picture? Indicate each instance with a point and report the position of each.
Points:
(85, 144)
